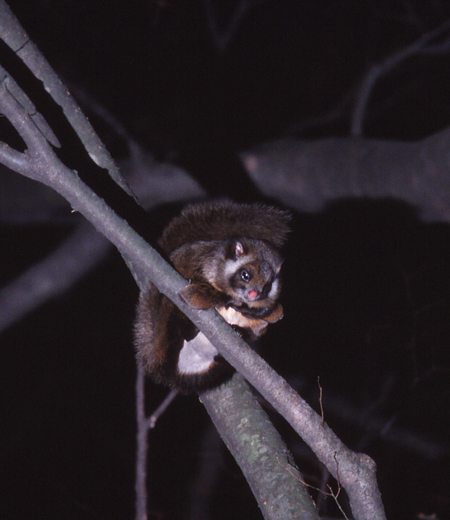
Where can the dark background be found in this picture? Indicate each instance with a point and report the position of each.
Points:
(366, 283)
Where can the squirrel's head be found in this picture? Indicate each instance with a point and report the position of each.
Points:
(249, 273)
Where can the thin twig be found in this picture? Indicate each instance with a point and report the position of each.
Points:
(161, 408)
(141, 447)
(320, 400)
(377, 71)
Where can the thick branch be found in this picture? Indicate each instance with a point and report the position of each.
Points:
(262, 456)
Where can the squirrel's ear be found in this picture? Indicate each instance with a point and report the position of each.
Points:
(238, 249)
(234, 249)
(201, 296)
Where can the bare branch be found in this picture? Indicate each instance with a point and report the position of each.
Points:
(82, 251)
(222, 38)
(13, 159)
(53, 275)
(18, 40)
(234, 411)
(162, 408)
(143, 425)
(28, 105)
(141, 447)
(85, 247)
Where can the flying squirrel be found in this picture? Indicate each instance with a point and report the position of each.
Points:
(229, 252)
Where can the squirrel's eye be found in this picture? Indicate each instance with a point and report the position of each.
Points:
(245, 275)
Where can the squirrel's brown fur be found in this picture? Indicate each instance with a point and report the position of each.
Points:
(219, 220)
(229, 253)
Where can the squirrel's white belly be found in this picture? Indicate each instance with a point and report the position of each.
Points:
(197, 355)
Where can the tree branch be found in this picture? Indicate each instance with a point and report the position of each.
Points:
(79, 253)
(18, 40)
(262, 456)
(222, 38)
(378, 70)
(143, 425)
(85, 247)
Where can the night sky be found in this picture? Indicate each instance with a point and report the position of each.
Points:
(366, 284)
